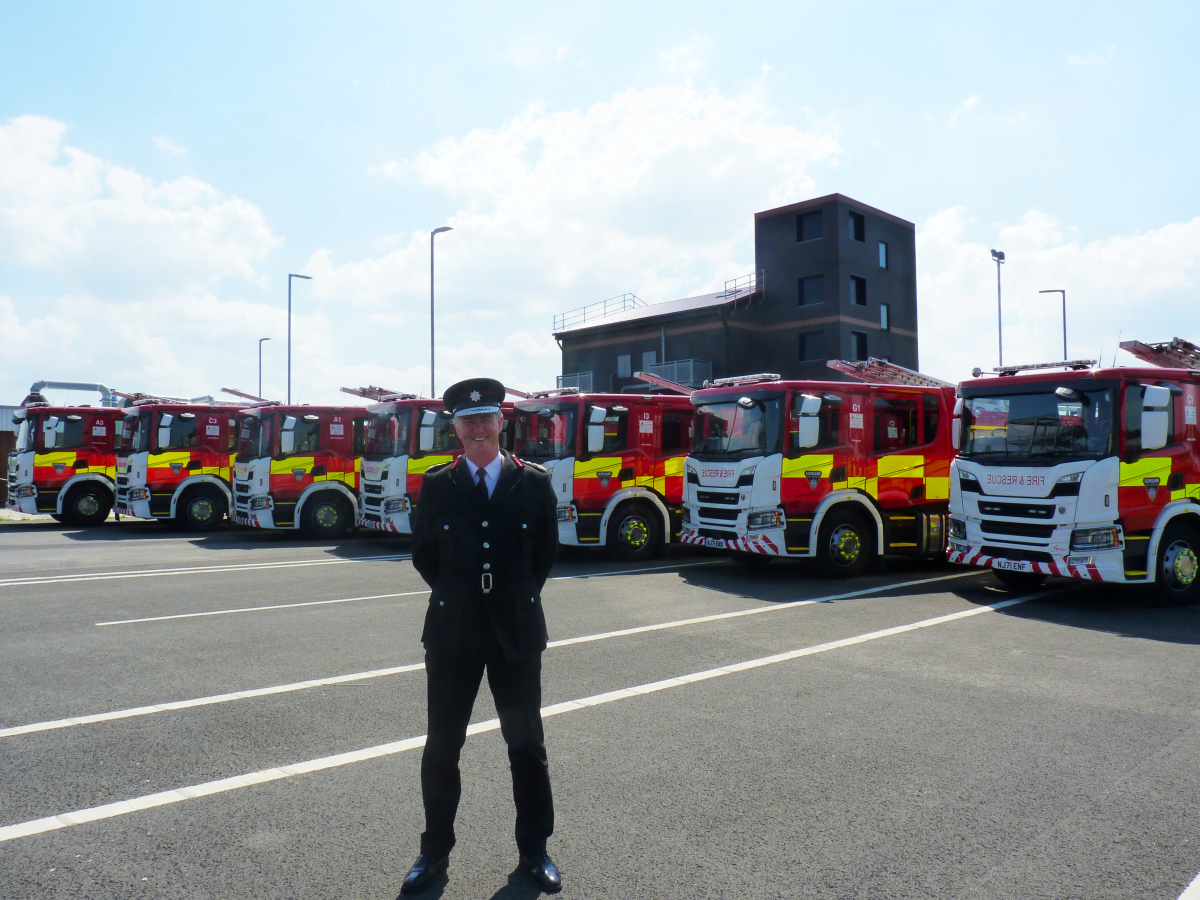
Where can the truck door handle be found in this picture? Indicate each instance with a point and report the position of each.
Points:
(317, 470)
(193, 465)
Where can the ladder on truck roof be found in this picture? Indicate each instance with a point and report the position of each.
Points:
(661, 382)
(878, 371)
(379, 394)
(1174, 354)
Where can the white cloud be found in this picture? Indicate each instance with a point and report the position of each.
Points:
(167, 146)
(561, 53)
(964, 109)
(1141, 286)
(101, 226)
(766, 68)
(1095, 58)
(689, 58)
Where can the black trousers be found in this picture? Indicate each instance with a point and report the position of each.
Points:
(517, 688)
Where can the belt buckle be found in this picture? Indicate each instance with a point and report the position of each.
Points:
(485, 581)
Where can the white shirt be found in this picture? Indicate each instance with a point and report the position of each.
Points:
(491, 472)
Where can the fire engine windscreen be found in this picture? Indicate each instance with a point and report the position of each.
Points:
(545, 430)
(27, 435)
(1058, 424)
(387, 435)
(738, 429)
(254, 437)
(67, 432)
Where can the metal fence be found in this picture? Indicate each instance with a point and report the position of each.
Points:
(597, 310)
(692, 372)
(586, 382)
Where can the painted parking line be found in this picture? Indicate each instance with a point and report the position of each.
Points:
(379, 673)
(195, 570)
(1192, 891)
(221, 785)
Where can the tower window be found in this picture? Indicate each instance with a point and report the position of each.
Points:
(625, 366)
(810, 226)
(882, 255)
(883, 316)
(858, 227)
(858, 345)
(858, 290)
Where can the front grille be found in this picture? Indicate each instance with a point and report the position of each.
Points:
(371, 517)
(719, 535)
(1011, 553)
(121, 479)
(373, 488)
(1016, 510)
(712, 512)
(242, 488)
(1017, 528)
(122, 493)
(372, 501)
(716, 497)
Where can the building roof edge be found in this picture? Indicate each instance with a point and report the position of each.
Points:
(831, 198)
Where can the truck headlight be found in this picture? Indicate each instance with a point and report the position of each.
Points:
(686, 514)
(400, 504)
(260, 503)
(24, 490)
(139, 494)
(772, 518)
(566, 514)
(958, 528)
(1096, 538)
(1073, 478)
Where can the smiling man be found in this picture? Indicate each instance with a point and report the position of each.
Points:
(484, 538)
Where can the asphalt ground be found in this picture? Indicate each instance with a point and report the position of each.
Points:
(1008, 746)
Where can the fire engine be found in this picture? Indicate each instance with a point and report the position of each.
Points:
(828, 470)
(1072, 469)
(64, 462)
(405, 436)
(174, 461)
(616, 462)
(297, 467)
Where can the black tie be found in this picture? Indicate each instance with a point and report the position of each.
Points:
(482, 485)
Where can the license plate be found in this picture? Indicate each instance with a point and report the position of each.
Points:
(1013, 565)
(715, 543)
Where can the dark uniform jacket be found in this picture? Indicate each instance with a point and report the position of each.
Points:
(497, 555)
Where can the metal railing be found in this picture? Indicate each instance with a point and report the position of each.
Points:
(598, 310)
(691, 372)
(744, 285)
(585, 382)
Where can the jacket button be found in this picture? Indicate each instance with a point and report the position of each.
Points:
(523, 525)
(441, 603)
(485, 545)
(532, 600)
(485, 523)
(446, 527)
(486, 566)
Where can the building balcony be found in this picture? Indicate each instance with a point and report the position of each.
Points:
(690, 372)
(586, 382)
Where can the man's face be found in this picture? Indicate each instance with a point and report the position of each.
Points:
(480, 435)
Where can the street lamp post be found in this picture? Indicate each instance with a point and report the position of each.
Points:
(290, 277)
(432, 235)
(260, 343)
(998, 256)
(1064, 293)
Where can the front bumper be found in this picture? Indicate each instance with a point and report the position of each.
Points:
(1090, 565)
(769, 542)
(252, 518)
(22, 504)
(135, 509)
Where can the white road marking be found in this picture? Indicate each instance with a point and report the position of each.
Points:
(195, 570)
(1192, 891)
(244, 609)
(177, 795)
(379, 673)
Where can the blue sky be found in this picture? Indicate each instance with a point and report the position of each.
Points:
(167, 166)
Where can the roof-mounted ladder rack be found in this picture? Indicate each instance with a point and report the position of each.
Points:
(663, 383)
(742, 379)
(553, 392)
(1174, 354)
(1073, 364)
(379, 394)
(878, 371)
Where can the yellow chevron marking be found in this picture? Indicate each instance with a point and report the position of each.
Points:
(809, 462)
(901, 466)
(66, 457)
(285, 466)
(1154, 467)
(588, 469)
(425, 463)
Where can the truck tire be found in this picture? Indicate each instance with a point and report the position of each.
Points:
(634, 532)
(1177, 577)
(1019, 581)
(200, 509)
(87, 504)
(327, 515)
(845, 543)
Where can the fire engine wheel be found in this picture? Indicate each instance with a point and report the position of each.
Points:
(1019, 581)
(845, 544)
(88, 504)
(201, 509)
(1177, 581)
(326, 516)
(634, 532)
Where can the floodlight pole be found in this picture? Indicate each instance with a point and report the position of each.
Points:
(998, 256)
(1064, 298)
(432, 235)
(260, 343)
(289, 391)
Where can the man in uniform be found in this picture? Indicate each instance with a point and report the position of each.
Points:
(484, 538)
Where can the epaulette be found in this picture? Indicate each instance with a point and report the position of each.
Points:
(532, 465)
(439, 467)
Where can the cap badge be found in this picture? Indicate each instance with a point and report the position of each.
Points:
(474, 396)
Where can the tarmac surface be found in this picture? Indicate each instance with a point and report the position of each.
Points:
(240, 715)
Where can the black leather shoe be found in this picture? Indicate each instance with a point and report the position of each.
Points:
(543, 871)
(423, 871)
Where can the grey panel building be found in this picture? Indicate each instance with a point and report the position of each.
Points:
(834, 278)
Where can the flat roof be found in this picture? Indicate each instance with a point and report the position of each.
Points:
(665, 308)
(827, 199)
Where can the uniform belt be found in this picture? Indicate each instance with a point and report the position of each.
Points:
(485, 581)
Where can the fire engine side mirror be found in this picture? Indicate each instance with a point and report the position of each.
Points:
(164, 431)
(287, 437)
(425, 438)
(595, 433)
(51, 428)
(956, 424)
(808, 425)
(1156, 402)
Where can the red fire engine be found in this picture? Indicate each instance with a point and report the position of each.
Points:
(64, 462)
(1070, 469)
(826, 470)
(174, 462)
(405, 435)
(616, 461)
(297, 467)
